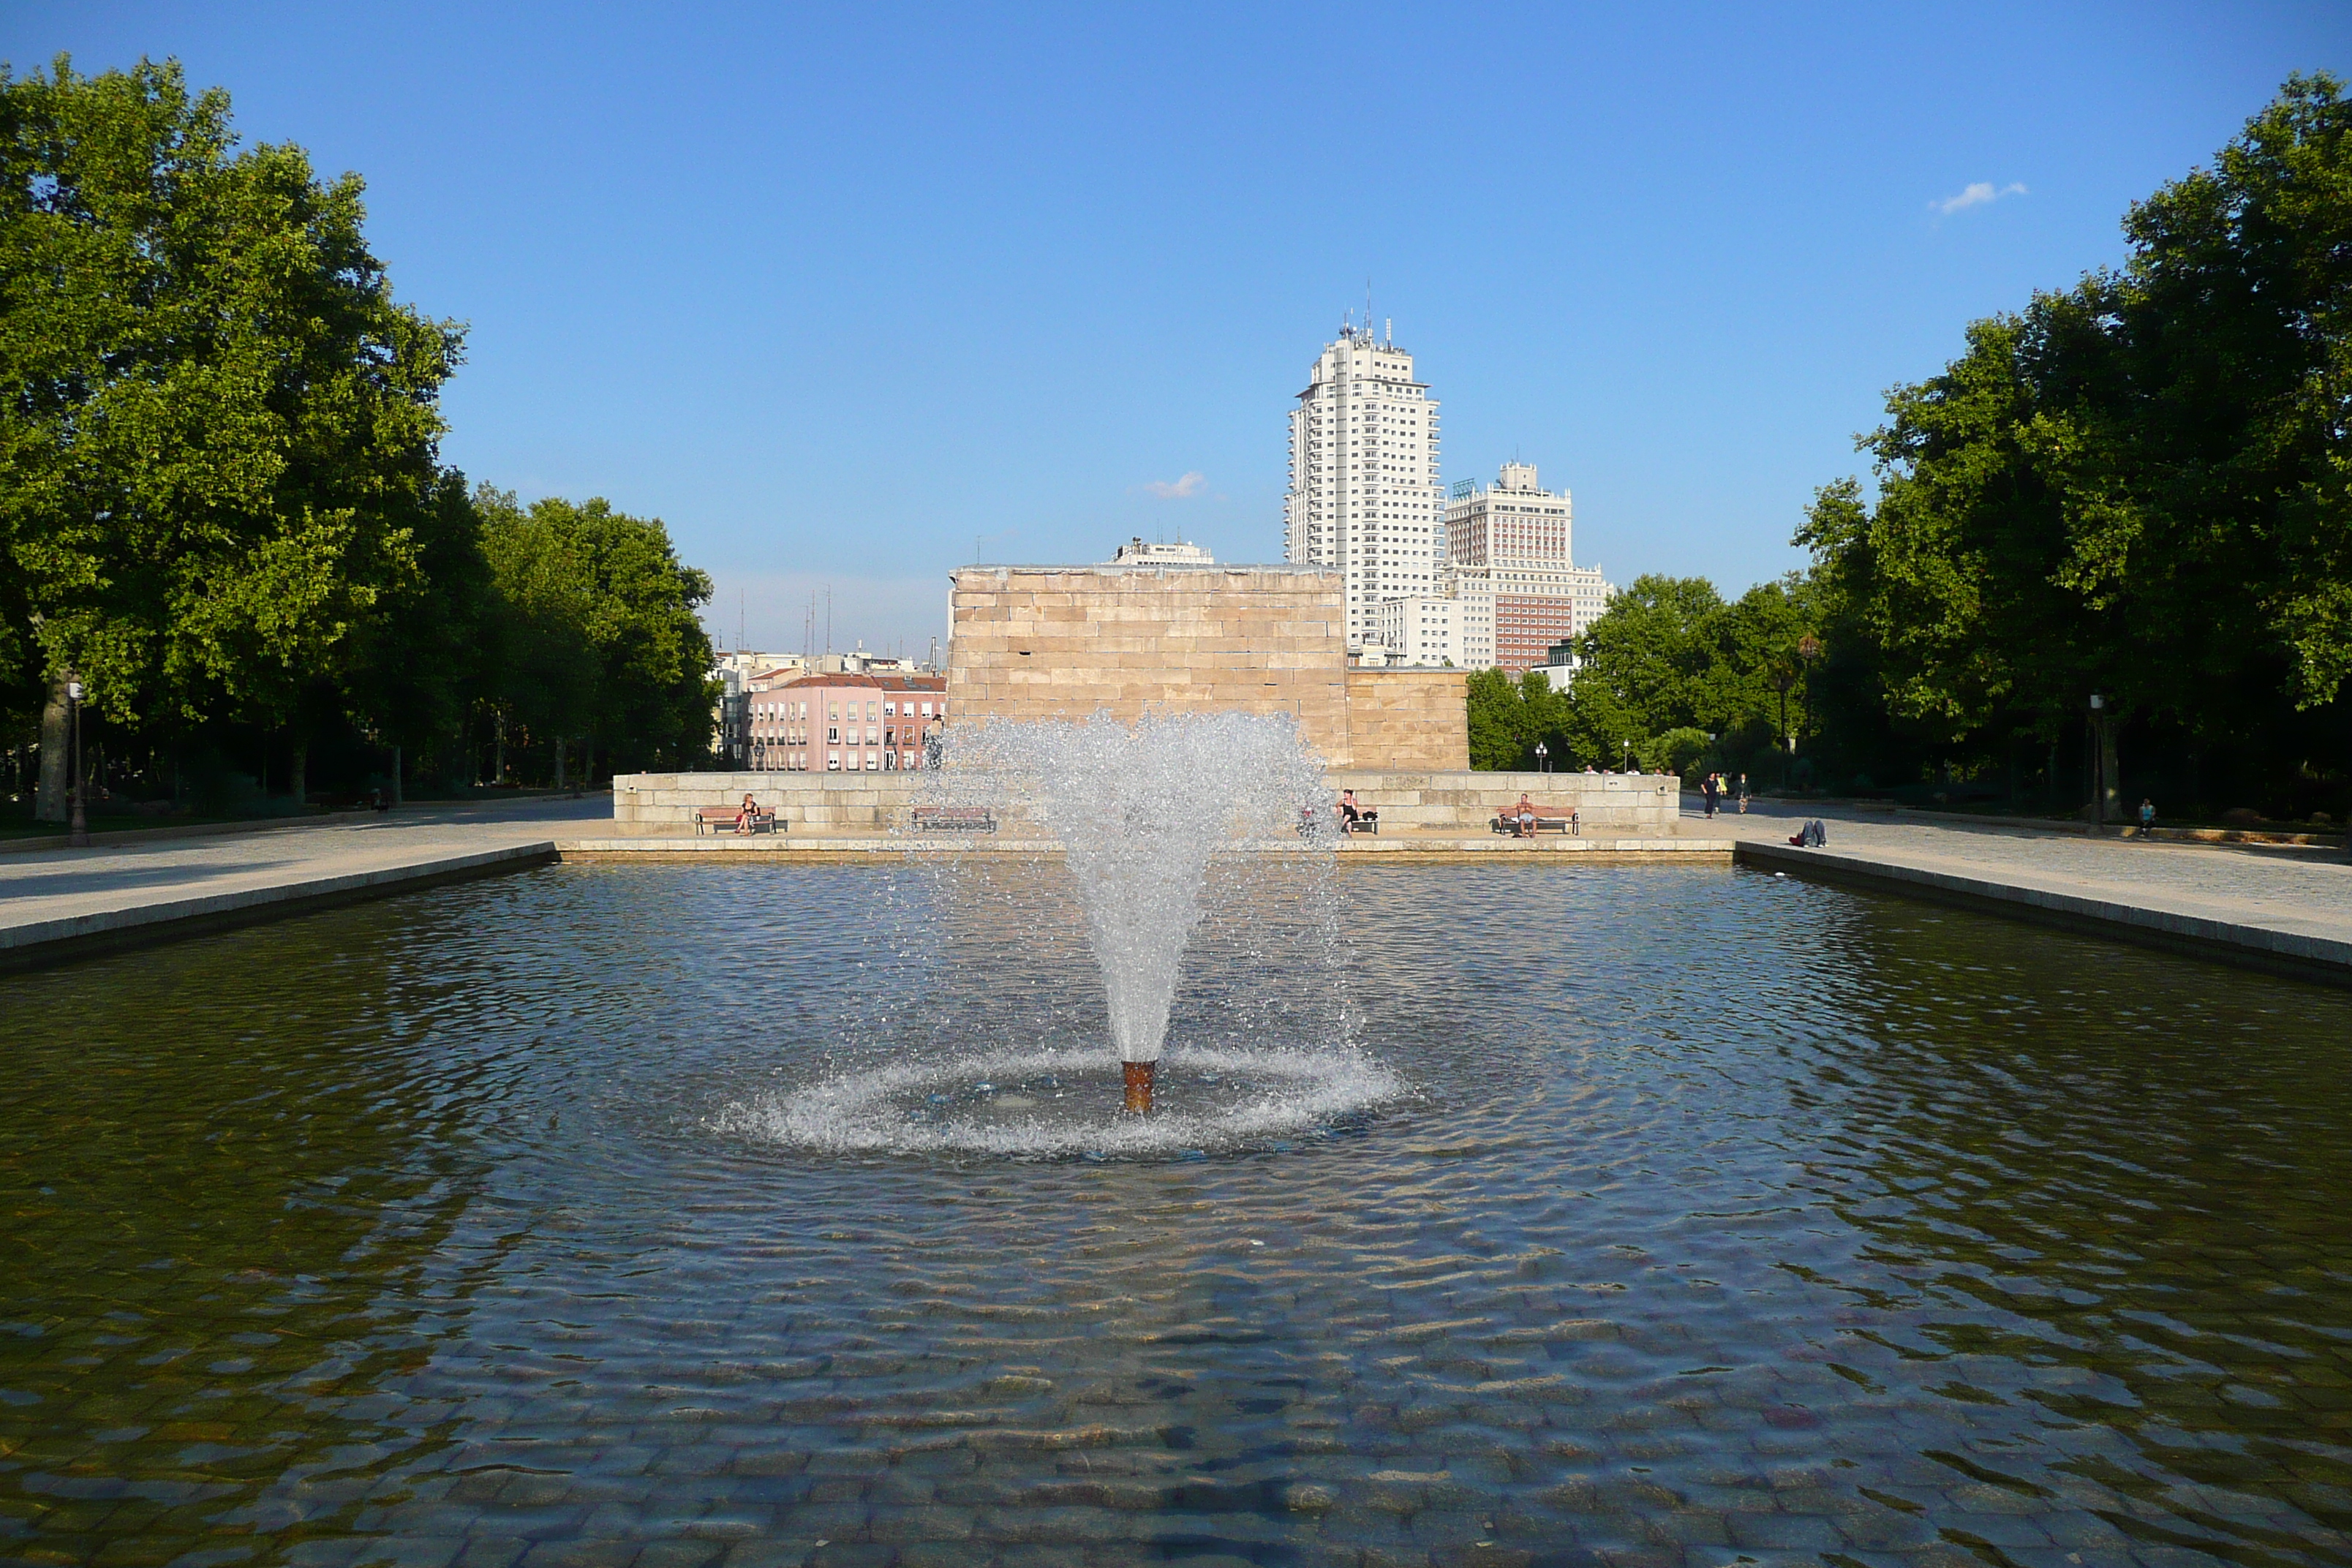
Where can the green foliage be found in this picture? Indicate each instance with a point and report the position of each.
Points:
(221, 500)
(218, 447)
(600, 639)
(1667, 661)
(2140, 487)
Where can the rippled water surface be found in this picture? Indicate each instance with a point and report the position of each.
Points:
(1632, 1216)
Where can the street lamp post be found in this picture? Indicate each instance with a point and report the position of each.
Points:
(1809, 648)
(77, 829)
(1542, 753)
(2098, 763)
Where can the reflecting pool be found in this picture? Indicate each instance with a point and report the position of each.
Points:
(1673, 1215)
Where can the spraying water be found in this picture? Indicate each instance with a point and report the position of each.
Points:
(1147, 819)
(1139, 812)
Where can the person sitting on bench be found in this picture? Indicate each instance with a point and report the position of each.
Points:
(747, 816)
(1524, 816)
(1353, 817)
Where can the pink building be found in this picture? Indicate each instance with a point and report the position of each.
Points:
(845, 723)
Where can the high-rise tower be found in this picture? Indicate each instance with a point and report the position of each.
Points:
(1364, 496)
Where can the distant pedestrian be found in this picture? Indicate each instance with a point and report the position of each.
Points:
(1743, 794)
(2146, 816)
(1706, 788)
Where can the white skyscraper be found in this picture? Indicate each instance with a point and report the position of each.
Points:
(1364, 495)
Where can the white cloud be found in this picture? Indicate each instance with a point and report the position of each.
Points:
(1982, 193)
(1192, 484)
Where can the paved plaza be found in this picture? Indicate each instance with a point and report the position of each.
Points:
(52, 895)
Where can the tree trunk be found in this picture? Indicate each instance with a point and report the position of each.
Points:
(588, 763)
(498, 774)
(49, 804)
(301, 782)
(559, 762)
(395, 775)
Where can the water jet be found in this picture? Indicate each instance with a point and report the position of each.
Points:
(1139, 812)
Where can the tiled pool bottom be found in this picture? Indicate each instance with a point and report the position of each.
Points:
(1723, 1219)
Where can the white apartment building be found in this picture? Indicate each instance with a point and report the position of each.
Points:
(1507, 561)
(1136, 552)
(1364, 496)
(1423, 629)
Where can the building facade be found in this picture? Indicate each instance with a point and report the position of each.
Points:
(1364, 497)
(1507, 566)
(845, 723)
(1423, 630)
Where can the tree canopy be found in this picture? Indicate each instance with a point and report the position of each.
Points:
(2139, 487)
(222, 502)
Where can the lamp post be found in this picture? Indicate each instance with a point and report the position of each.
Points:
(2098, 763)
(1542, 752)
(1809, 648)
(77, 829)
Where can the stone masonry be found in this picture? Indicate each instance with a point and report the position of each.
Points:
(1054, 642)
(1614, 804)
(1047, 642)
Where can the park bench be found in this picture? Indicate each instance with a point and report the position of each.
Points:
(954, 820)
(1509, 823)
(724, 822)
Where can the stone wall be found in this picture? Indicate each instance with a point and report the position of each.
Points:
(1044, 642)
(1615, 805)
(1644, 806)
(1409, 720)
(1047, 642)
(817, 802)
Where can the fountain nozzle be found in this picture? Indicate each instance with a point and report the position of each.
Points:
(1138, 1087)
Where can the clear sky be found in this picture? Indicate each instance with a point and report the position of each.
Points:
(848, 294)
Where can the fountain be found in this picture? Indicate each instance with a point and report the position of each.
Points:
(1138, 812)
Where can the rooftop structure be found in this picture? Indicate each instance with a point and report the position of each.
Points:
(1136, 552)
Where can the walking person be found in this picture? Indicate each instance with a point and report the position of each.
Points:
(1743, 794)
(2146, 816)
(1707, 788)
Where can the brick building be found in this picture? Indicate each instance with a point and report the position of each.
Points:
(845, 723)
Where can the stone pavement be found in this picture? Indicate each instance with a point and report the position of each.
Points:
(2293, 906)
(59, 902)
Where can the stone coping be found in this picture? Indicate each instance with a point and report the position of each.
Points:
(2180, 929)
(1403, 846)
(131, 924)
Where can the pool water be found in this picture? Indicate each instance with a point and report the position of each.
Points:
(1626, 1216)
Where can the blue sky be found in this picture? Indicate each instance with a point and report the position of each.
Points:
(845, 295)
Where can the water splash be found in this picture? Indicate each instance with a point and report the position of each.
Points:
(1048, 1104)
(1140, 810)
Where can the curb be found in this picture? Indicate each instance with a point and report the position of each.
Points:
(2322, 959)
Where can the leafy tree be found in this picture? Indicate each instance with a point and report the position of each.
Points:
(2140, 487)
(217, 452)
(600, 641)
